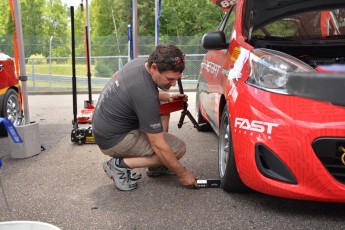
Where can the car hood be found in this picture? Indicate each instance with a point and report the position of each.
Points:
(260, 12)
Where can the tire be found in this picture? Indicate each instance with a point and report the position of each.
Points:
(230, 179)
(10, 107)
(204, 126)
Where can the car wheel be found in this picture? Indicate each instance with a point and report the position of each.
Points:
(11, 107)
(204, 126)
(230, 180)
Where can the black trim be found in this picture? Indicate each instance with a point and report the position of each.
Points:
(271, 166)
(327, 149)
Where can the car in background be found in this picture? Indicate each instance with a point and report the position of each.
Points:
(271, 88)
(9, 88)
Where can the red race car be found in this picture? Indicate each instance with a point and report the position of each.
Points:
(9, 88)
(272, 87)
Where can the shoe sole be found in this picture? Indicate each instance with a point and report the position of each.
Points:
(111, 175)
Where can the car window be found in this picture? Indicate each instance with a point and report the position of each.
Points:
(228, 23)
(307, 25)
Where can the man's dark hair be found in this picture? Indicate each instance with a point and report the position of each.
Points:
(167, 58)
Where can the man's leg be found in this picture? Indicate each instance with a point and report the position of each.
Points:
(135, 151)
(165, 122)
(150, 161)
(141, 154)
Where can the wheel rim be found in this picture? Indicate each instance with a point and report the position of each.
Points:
(223, 150)
(13, 109)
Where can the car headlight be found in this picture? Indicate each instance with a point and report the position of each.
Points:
(269, 69)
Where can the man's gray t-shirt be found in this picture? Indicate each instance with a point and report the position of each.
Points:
(129, 101)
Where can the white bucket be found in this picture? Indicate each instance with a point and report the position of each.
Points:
(26, 225)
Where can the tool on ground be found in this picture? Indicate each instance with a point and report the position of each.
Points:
(208, 183)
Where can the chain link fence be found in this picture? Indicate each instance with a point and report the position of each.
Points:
(56, 75)
(49, 62)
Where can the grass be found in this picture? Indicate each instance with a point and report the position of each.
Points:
(59, 69)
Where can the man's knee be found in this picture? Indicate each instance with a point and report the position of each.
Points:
(181, 152)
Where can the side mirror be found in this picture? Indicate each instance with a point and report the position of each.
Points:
(214, 41)
(1, 66)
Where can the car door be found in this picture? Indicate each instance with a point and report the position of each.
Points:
(215, 69)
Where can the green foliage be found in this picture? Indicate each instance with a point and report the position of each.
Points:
(46, 27)
(37, 59)
(187, 18)
(103, 69)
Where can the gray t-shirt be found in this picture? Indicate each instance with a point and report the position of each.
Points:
(129, 101)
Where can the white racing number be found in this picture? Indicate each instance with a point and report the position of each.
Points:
(254, 125)
(226, 3)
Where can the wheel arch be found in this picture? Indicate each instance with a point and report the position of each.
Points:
(222, 103)
(2, 96)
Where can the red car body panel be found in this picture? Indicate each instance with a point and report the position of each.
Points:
(7, 76)
(287, 125)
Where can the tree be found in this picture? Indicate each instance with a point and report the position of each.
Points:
(56, 27)
(6, 28)
(188, 18)
(32, 12)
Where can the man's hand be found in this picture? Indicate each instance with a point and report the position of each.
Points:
(177, 96)
(188, 179)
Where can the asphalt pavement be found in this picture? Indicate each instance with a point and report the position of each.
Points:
(66, 186)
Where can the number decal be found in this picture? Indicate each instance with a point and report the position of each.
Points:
(226, 3)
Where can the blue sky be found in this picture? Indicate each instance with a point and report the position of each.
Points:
(74, 2)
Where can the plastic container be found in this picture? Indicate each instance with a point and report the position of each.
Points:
(27, 225)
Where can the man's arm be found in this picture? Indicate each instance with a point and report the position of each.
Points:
(169, 97)
(167, 157)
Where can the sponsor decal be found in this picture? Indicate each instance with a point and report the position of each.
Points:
(254, 125)
(239, 56)
(235, 53)
(211, 67)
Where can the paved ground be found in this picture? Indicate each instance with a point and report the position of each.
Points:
(65, 185)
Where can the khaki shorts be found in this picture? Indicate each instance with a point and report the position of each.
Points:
(136, 144)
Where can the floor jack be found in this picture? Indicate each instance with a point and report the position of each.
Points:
(80, 135)
(85, 116)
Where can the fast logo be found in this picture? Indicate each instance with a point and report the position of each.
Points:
(254, 125)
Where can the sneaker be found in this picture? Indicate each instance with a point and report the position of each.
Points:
(120, 176)
(159, 171)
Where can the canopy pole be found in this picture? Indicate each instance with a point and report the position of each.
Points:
(22, 70)
(158, 8)
(135, 28)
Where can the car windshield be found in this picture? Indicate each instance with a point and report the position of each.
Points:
(321, 24)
